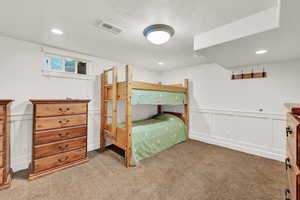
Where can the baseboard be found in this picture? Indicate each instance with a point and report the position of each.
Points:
(239, 146)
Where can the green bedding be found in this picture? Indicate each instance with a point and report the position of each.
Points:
(155, 135)
(157, 97)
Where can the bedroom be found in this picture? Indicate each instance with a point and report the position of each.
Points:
(233, 146)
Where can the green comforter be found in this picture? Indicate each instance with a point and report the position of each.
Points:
(158, 97)
(155, 135)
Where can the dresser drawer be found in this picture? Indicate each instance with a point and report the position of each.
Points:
(293, 138)
(1, 144)
(1, 160)
(1, 110)
(59, 147)
(293, 175)
(1, 127)
(59, 160)
(1, 175)
(44, 137)
(46, 110)
(59, 122)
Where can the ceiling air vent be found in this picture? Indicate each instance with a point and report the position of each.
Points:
(108, 27)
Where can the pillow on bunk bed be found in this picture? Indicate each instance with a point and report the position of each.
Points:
(158, 97)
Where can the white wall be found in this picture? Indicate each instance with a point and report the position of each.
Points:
(21, 79)
(223, 111)
(226, 112)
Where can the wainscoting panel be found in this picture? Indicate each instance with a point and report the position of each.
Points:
(261, 134)
(254, 133)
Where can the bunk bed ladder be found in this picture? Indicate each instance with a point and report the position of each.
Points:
(112, 134)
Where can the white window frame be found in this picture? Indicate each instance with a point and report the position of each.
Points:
(47, 71)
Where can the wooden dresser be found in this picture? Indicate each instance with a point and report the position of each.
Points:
(59, 135)
(5, 171)
(292, 162)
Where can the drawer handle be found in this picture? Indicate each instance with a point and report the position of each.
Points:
(288, 164)
(63, 111)
(65, 121)
(63, 147)
(289, 131)
(64, 159)
(63, 135)
(287, 192)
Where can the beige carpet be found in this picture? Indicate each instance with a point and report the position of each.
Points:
(188, 171)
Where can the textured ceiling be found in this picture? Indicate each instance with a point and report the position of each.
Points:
(32, 20)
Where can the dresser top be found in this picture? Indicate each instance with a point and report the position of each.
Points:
(289, 106)
(5, 101)
(49, 101)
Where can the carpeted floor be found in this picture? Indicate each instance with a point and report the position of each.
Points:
(188, 171)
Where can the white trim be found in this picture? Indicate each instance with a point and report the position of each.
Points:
(239, 113)
(66, 54)
(239, 146)
(57, 74)
(21, 163)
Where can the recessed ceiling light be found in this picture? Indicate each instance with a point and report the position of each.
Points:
(158, 33)
(161, 63)
(262, 51)
(57, 31)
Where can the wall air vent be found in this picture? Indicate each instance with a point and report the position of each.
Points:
(106, 26)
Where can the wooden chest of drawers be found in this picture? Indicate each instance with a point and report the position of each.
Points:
(59, 135)
(292, 162)
(5, 171)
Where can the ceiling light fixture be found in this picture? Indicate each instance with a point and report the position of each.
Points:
(262, 51)
(158, 33)
(161, 63)
(57, 31)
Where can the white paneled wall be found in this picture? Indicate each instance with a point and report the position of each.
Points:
(257, 134)
(245, 115)
(21, 79)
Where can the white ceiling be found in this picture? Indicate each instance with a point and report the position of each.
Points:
(282, 43)
(32, 20)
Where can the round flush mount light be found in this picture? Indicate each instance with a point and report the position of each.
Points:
(160, 63)
(262, 51)
(158, 33)
(56, 31)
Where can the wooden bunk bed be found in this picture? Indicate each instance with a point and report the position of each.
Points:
(111, 93)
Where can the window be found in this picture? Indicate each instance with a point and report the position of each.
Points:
(56, 64)
(81, 68)
(70, 66)
(67, 65)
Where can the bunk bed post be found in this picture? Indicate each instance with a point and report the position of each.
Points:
(128, 113)
(159, 107)
(103, 81)
(186, 107)
(114, 103)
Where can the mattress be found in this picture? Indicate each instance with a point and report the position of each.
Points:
(158, 97)
(155, 135)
